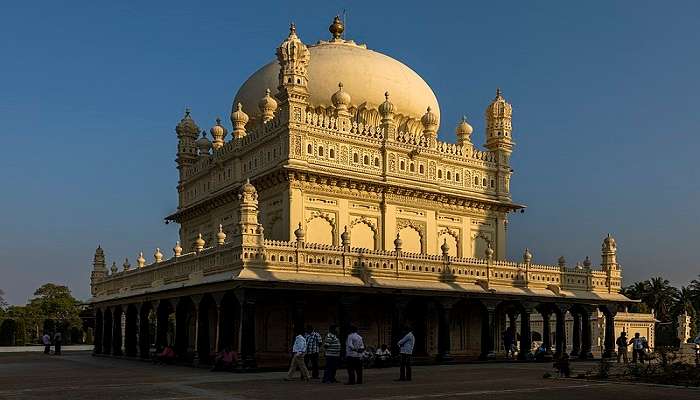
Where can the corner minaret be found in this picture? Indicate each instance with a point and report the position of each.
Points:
(187, 132)
(499, 128)
(99, 269)
(293, 57)
(609, 264)
(250, 231)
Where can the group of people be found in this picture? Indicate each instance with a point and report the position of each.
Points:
(639, 344)
(308, 345)
(57, 342)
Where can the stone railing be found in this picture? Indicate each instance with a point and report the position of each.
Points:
(320, 259)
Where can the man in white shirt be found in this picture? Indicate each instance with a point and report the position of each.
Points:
(637, 348)
(354, 347)
(298, 352)
(405, 351)
(46, 339)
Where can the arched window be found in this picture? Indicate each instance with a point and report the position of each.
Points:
(402, 165)
(355, 158)
(331, 153)
(484, 182)
(320, 151)
(439, 174)
(457, 176)
(376, 161)
(476, 181)
(310, 149)
(493, 183)
(365, 159)
(449, 175)
(421, 169)
(412, 167)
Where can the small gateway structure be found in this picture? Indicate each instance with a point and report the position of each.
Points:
(334, 202)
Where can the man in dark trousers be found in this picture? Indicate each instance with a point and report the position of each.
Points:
(622, 347)
(354, 347)
(406, 351)
(57, 341)
(313, 345)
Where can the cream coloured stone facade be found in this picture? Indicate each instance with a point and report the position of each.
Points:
(341, 197)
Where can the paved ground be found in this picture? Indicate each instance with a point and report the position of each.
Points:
(81, 376)
(40, 349)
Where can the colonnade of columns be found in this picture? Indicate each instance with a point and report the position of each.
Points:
(199, 325)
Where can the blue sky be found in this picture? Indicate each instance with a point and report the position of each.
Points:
(604, 95)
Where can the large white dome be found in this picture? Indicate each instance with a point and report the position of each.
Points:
(365, 75)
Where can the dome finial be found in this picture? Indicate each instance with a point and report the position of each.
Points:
(336, 29)
(187, 111)
(498, 92)
(292, 28)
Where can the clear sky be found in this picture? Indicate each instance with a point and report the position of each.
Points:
(605, 97)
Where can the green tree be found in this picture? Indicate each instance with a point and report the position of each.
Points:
(660, 297)
(3, 305)
(56, 303)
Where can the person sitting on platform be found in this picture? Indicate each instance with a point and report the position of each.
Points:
(167, 356)
(225, 360)
(540, 352)
(382, 357)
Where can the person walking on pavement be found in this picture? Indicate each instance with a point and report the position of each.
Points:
(46, 339)
(405, 352)
(332, 347)
(354, 347)
(57, 341)
(313, 345)
(298, 351)
(622, 347)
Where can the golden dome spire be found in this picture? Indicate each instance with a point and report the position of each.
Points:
(336, 29)
(221, 236)
(239, 120)
(463, 131)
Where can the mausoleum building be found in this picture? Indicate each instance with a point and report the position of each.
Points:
(333, 201)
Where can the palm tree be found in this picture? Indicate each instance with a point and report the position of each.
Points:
(660, 297)
(638, 291)
(684, 302)
(695, 292)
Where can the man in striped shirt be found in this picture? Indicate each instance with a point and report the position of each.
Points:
(313, 344)
(332, 347)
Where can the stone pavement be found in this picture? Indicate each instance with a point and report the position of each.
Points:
(40, 349)
(81, 376)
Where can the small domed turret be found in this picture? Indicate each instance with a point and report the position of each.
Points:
(203, 144)
(398, 243)
(221, 236)
(267, 106)
(239, 120)
(341, 99)
(387, 108)
(199, 243)
(464, 132)
(187, 126)
(527, 256)
(126, 265)
(218, 133)
(177, 250)
(141, 260)
(114, 268)
(299, 233)
(158, 256)
(445, 248)
(561, 261)
(248, 188)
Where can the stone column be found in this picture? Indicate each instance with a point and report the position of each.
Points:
(609, 313)
(560, 335)
(117, 331)
(397, 323)
(130, 333)
(97, 345)
(576, 334)
(444, 329)
(196, 299)
(217, 336)
(246, 335)
(488, 348)
(525, 332)
(298, 305)
(107, 331)
(586, 337)
(144, 331)
(546, 331)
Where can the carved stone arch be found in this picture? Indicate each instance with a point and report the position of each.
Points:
(408, 245)
(317, 236)
(477, 251)
(363, 241)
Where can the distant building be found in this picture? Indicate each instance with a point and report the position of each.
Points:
(333, 201)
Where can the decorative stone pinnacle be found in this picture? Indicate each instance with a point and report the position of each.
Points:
(498, 92)
(187, 112)
(221, 236)
(140, 260)
(177, 249)
(386, 96)
(292, 28)
(158, 256)
(336, 29)
(199, 243)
